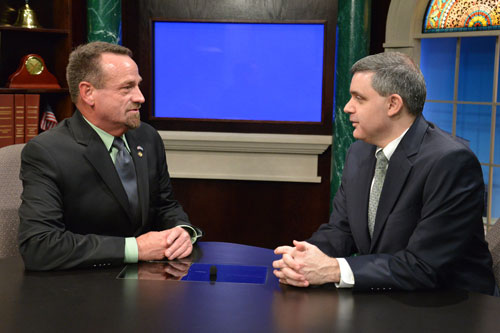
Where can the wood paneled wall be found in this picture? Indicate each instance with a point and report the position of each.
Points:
(266, 214)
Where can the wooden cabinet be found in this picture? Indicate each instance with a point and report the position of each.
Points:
(53, 41)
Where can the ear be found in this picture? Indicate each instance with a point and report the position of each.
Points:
(87, 91)
(396, 105)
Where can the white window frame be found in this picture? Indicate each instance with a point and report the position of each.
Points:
(404, 33)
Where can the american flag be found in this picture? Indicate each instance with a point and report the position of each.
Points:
(48, 120)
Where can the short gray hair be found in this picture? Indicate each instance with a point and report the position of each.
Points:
(84, 65)
(395, 73)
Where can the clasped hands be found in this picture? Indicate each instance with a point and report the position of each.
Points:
(304, 264)
(172, 244)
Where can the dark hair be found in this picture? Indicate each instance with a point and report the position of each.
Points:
(395, 73)
(84, 65)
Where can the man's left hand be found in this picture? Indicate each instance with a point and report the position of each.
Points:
(178, 243)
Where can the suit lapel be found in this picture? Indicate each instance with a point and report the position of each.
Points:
(98, 157)
(398, 171)
(141, 169)
(361, 184)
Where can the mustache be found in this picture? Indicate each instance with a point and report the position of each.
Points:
(136, 107)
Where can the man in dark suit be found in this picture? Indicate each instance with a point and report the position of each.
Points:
(78, 209)
(408, 213)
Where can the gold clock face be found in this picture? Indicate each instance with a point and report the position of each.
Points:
(34, 65)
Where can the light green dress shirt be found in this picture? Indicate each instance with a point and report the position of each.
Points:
(131, 249)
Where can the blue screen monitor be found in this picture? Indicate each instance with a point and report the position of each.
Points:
(238, 71)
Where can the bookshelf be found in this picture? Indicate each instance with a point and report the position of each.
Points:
(53, 41)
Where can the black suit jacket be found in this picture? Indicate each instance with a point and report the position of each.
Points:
(428, 230)
(75, 211)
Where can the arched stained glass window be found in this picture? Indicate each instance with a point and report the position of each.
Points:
(462, 15)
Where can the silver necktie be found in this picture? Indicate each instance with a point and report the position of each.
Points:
(378, 183)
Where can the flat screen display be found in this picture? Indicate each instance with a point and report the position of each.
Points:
(238, 71)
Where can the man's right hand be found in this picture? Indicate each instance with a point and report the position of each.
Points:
(152, 245)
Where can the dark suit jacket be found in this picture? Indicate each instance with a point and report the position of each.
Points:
(75, 211)
(428, 230)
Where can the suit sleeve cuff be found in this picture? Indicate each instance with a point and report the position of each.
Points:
(195, 234)
(131, 251)
(346, 275)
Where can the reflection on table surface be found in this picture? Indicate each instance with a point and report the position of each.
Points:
(188, 271)
(171, 270)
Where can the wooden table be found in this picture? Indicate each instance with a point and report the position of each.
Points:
(95, 300)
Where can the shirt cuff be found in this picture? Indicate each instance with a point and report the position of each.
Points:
(192, 232)
(131, 251)
(346, 275)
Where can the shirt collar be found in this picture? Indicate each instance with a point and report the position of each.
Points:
(391, 146)
(106, 138)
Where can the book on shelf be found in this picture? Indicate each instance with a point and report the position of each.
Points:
(6, 120)
(19, 118)
(31, 116)
(19, 115)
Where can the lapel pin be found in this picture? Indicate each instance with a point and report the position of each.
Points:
(139, 151)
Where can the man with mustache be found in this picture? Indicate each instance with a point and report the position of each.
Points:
(96, 188)
(408, 213)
